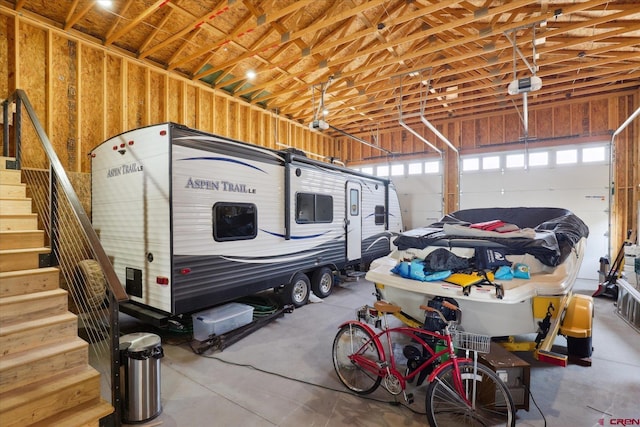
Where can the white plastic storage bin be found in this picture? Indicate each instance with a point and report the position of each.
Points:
(219, 320)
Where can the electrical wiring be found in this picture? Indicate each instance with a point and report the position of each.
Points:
(243, 365)
(536, 404)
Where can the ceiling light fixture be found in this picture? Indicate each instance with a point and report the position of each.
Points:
(251, 74)
(105, 3)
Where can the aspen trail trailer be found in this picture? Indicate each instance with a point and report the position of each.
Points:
(192, 220)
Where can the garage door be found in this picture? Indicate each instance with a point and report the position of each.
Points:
(574, 178)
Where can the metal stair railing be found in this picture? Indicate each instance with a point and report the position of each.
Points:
(85, 269)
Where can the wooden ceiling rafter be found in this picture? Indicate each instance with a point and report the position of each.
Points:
(193, 26)
(486, 99)
(531, 20)
(586, 47)
(118, 19)
(227, 70)
(502, 85)
(281, 29)
(136, 20)
(338, 44)
(154, 33)
(70, 13)
(487, 106)
(431, 31)
(308, 30)
(78, 16)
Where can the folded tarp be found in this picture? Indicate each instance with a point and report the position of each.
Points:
(556, 232)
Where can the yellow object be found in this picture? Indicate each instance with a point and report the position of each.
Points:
(541, 305)
(513, 345)
(464, 279)
(578, 320)
(544, 352)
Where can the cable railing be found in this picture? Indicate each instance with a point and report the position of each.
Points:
(85, 270)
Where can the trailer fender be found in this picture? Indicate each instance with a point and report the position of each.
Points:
(578, 318)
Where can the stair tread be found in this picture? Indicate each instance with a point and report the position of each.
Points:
(37, 323)
(24, 250)
(45, 387)
(79, 415)
(29, 356)
(26, 297)
(43, 270)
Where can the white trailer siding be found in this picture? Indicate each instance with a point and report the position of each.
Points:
(130, 205)
(201, 181)
(374, 237)
(155, 198)
(328, 238)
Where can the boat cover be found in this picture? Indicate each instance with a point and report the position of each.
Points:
(549, 234)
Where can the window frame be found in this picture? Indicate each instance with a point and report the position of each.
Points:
(315, 199)
(216, 212)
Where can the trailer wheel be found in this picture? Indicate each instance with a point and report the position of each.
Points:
(91, 289)
(322, 282)
(297, 291)
(579, 347)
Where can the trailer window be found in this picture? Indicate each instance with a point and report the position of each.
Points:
(234, 221)
(379, 215)
(312, 208)
(354, 202)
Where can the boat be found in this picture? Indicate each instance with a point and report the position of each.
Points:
(545, 244)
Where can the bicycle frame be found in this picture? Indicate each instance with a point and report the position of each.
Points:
(387, 364)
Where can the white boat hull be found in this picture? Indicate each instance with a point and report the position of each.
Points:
(482, 311)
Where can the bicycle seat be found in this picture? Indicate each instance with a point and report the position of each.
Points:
(386, 307)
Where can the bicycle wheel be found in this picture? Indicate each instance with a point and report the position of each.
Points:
(350, 339)
(493, 402)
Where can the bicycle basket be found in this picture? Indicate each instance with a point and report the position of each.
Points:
(470, 341)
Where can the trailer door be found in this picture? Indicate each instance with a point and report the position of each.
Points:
(353, 221)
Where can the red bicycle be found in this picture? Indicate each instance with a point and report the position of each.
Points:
(460, 391)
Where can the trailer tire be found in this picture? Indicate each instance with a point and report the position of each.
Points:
(579, 347)
(297, 291)
(322, 282)
(91, 290)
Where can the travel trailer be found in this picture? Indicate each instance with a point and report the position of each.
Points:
(192, 220)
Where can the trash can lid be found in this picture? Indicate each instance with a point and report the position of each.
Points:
(139, 341)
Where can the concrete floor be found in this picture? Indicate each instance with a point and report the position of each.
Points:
(282, 375)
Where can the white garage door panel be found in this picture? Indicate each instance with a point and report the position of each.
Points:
(489, 181)
(420, 198)
(582, 188)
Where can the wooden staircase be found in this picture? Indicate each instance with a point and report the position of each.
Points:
(45, 376)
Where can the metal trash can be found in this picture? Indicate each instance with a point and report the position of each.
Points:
(140, 355)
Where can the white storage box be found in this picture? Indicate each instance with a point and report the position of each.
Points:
(219, 320)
